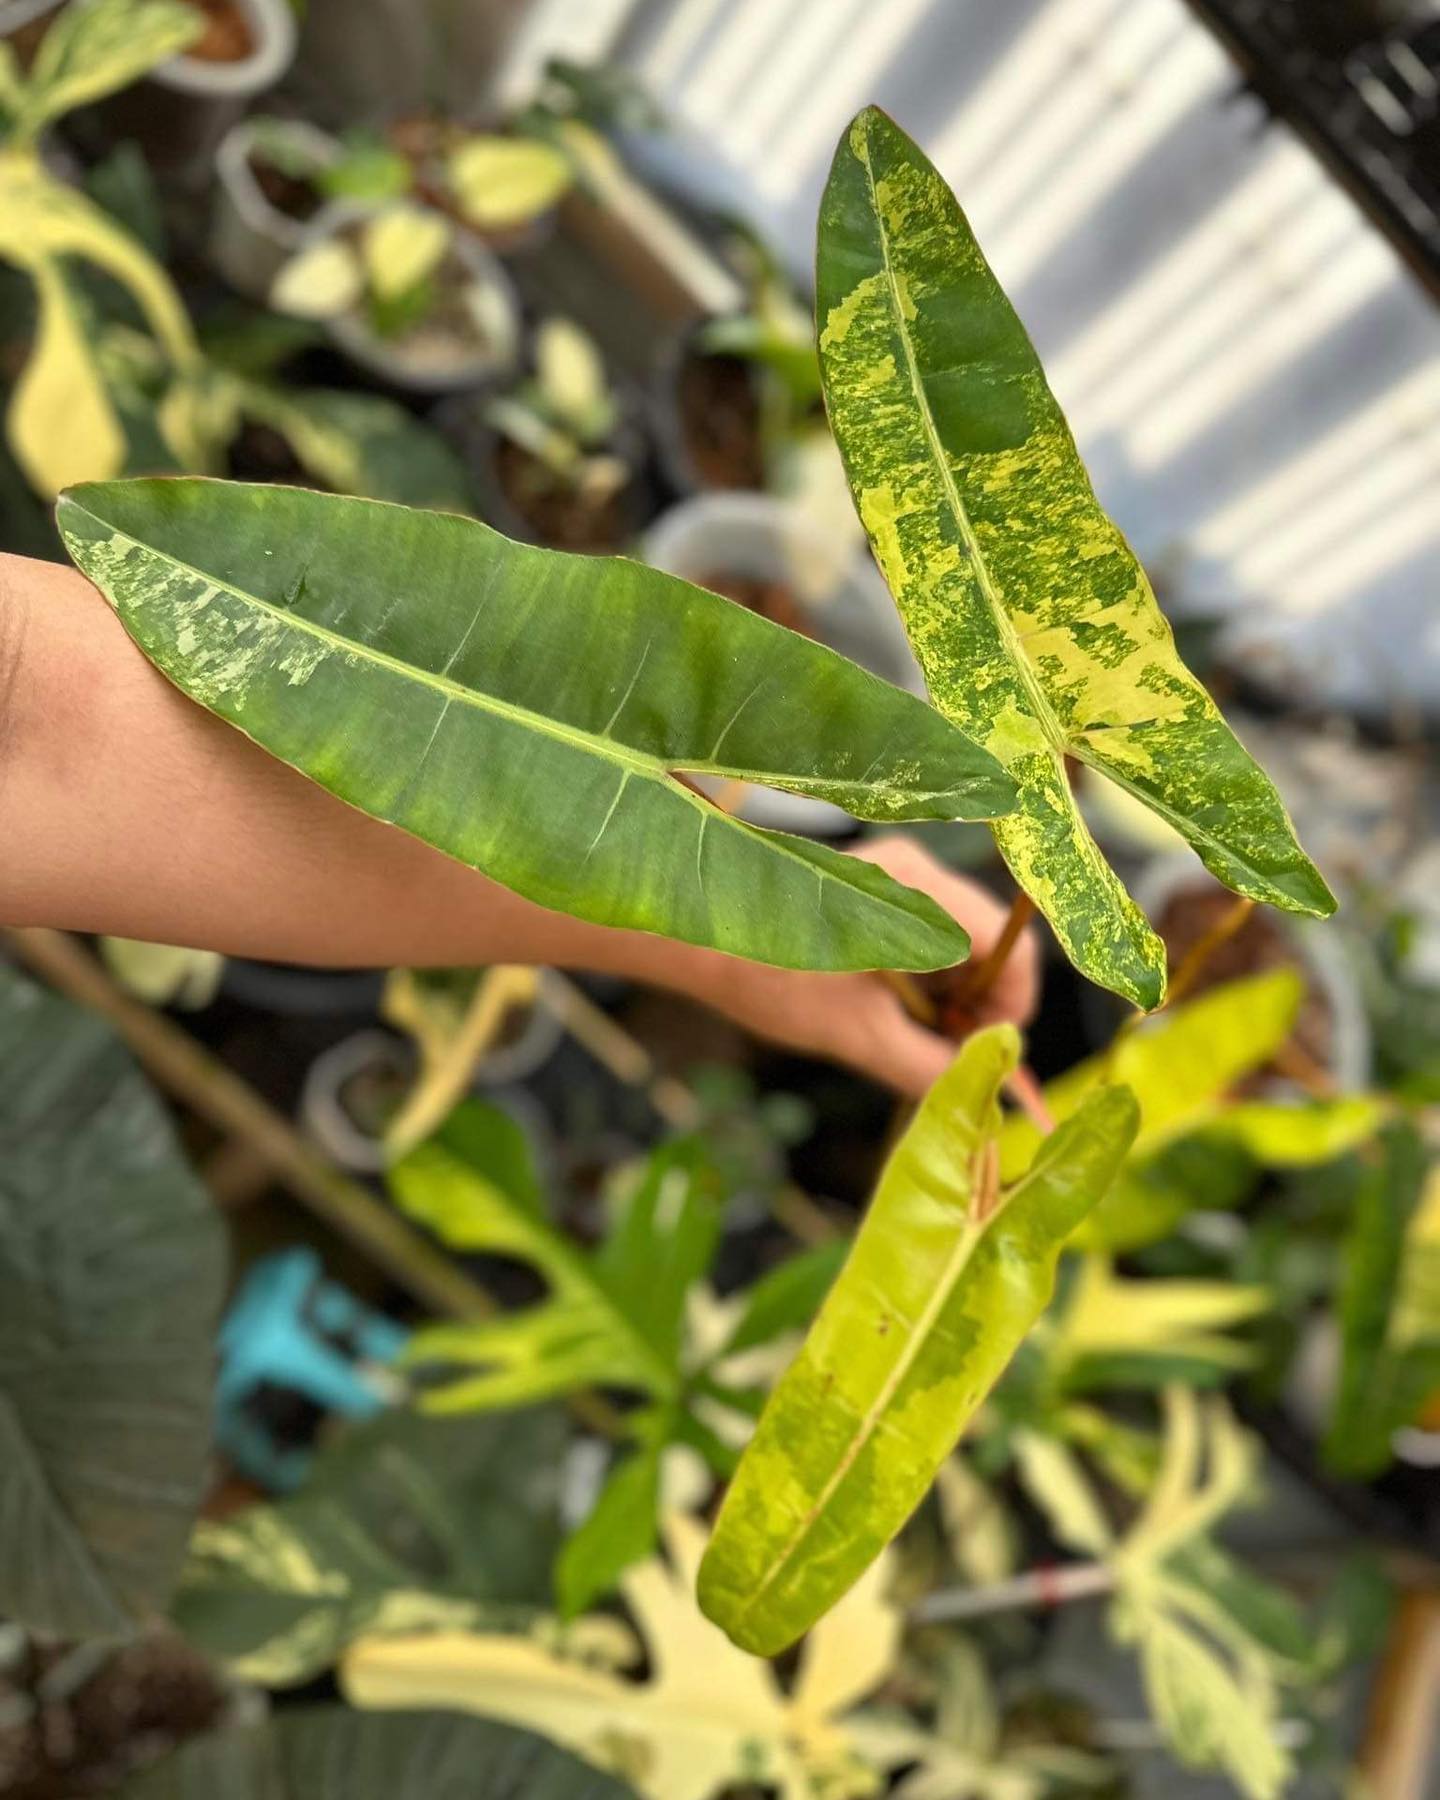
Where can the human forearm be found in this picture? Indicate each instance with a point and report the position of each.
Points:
(127, 809)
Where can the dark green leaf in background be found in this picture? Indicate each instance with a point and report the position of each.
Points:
(332, 1753)
(112, 1266)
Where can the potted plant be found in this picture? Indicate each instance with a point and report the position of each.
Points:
(182, 111)
(270, 186)
(502, 186)
(734, 392)
(555, 459)
(417, 302)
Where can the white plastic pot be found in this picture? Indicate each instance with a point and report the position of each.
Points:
(389, 360)
(272, 29)
(757, 537)
(180, 112)
(324, 1117)
(251, 240)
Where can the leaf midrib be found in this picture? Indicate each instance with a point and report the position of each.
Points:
(598, 744)
(1009, 637)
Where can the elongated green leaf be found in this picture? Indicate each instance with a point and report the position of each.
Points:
(524, 710)
(621, 1529)
(335, 1753)
(1035, 626)
(111, 1272)
(610, 1318)
(946, 1277)
(1373, 1397)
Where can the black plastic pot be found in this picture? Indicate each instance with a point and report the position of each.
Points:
(291, 992)
(685, 469)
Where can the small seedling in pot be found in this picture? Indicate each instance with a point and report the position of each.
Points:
(286, 170)
(406, 276)
(496, 184)
(747, 385)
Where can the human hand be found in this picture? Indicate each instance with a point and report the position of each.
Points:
(860, 1020)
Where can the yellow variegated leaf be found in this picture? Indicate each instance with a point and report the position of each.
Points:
(401, 247)
(1295, 1134)
(1179, 1067)
(1058, 1485)
(319, 282)
(947, 1275)
(503, 181)
(1210, 1714)
(41, 218)
(571, 377)
(708, 1719)
(96, 46)
(978, 1529)
(1109, 1316)
(1035, 626)
(61, 424)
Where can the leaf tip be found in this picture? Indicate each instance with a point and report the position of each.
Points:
(1309, 892)
(1119, 1102)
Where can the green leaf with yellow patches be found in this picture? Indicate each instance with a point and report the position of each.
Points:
(528, 712)
(1036, 627)
(947, 1275)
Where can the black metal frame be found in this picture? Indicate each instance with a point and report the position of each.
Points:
(1361, 85)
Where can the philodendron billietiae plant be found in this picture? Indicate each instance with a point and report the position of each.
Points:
(529, 713)
(1036, 627)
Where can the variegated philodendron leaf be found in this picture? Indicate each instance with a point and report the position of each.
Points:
(948, 1273)
(1036, 627)
(527, 712)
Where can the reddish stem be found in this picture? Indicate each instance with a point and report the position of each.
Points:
(982, 976)
(1025, 1090)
